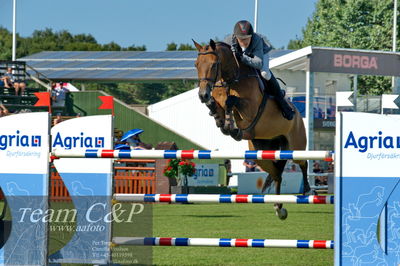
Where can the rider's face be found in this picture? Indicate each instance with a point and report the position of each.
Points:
(244, 42)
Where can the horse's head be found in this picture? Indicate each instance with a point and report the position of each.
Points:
(208, 66)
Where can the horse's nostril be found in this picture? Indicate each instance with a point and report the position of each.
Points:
(204, 97)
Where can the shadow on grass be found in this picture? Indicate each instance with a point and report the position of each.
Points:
(212, 216)
(314, 212)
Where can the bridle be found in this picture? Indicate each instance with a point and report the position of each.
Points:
(218, 72)
(221, 82)
(226, 83)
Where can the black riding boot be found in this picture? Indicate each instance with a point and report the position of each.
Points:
(274, 89)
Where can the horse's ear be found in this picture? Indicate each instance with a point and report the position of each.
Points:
(212, 44)
(198, 46)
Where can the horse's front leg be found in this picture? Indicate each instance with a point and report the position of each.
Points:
(231, 101)
(217, 112)
(304, 170)
(230, 125)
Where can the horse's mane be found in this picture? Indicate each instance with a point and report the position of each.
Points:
(223, 44)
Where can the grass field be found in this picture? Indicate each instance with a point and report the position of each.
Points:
(233, 221)
(242, 221)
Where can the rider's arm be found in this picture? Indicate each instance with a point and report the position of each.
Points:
(255, 59)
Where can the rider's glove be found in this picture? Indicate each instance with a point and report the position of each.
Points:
(250, 55)
(237, 50)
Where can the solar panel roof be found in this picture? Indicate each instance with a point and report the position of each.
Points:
(118, 66)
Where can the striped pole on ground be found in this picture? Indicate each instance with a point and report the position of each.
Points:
(195, 154)
(223, 242)
(220, 198)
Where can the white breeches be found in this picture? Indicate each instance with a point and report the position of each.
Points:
(265, 72)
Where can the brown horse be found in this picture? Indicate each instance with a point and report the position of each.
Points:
(227, 86)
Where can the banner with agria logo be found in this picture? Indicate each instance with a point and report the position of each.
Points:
(24, 157)
(89, 182)
(367, 189)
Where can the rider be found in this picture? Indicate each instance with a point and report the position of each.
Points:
(250, 48)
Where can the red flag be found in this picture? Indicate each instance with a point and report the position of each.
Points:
(43, 98)
(107, 103)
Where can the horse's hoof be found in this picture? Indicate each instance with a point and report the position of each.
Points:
(281, 213)
(225, 132)
(219, 123)
(236, 134)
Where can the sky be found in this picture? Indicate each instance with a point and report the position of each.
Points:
(155, 23)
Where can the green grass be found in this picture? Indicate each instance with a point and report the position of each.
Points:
(230, 221)
(242, 221)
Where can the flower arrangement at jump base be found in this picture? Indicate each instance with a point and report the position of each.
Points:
(176, 167)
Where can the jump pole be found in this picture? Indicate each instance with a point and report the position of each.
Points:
(220, 198)
(222, 242)
(196, 154)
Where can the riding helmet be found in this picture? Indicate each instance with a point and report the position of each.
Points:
(243, 29)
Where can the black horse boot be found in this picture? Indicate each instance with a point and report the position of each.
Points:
(274, 89)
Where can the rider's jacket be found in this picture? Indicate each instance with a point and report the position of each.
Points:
(253, 55)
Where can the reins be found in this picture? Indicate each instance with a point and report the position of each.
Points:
(227, 83)
(218, 70)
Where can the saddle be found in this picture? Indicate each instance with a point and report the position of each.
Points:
(262, 85)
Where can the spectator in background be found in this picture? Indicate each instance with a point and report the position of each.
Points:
(22, 88)
(250, 165)
(3, 110)
(330, 167)
(317, 168)
(6, 78)
(319, 180)
(228, 167)
(132, 139)
(293, 168)
(57, 119)
(58, 95)
(18, 85)
(2, 82)
(136, 144)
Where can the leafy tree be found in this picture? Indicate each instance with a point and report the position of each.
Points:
(295, 44)
(172, 46)
(134, 48)
(186, 47)
(131, 93)
(48, 40)
(357, 24)
(182, 47)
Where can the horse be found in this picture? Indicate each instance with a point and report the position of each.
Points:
(231, 90)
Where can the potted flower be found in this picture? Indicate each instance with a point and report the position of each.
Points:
(176, 168)
(186, 168)
(171, 171)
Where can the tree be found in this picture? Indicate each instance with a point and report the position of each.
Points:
(48, 40)
(172, 46)
(131, 93)
(357, 24)
(182, 47)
